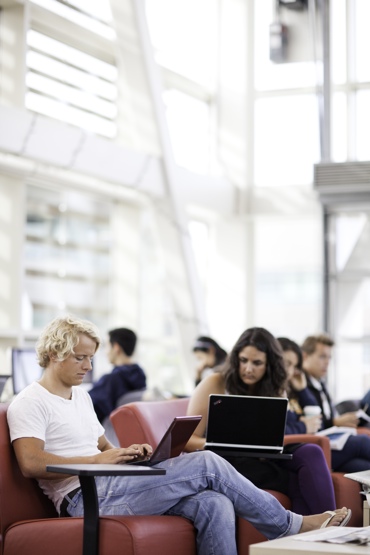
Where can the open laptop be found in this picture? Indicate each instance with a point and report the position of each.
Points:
(248, 426)
(173, 442)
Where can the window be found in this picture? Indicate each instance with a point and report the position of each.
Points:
(186, 51)
(349, 282)
(64, 81)
(66, 256)
(286, 140)
(94, 15)
(188, 121)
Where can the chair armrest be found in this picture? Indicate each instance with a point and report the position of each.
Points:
(322, 441)
(363, 430)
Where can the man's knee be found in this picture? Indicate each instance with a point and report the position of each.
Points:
(216, 504)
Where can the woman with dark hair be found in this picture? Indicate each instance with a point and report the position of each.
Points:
(255, 367)
(209, 354)
(238, 381)
(297, 391)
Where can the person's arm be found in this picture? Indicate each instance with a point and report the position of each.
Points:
(306, 397)
(294, 425)
(33, 459)
(365, 402)
(198, 404)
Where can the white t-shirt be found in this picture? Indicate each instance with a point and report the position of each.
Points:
(68, 427)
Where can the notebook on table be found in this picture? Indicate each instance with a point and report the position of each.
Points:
(246, 425)
(173, 442)
(363, 477)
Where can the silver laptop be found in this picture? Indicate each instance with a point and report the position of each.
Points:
(243, 425)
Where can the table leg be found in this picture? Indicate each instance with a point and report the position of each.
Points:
(91, 516)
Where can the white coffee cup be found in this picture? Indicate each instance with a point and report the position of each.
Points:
(312, 410)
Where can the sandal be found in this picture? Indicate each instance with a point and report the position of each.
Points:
(332, 515)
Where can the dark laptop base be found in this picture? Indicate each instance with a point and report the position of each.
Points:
(234, 452)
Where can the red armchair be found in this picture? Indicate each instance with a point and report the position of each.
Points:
(29, 524)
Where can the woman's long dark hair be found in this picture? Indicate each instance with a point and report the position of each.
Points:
(273, 382)
(289, 345)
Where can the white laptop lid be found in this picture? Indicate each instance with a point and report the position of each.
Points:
(246, 423)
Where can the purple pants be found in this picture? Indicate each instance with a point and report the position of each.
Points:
(311, 488)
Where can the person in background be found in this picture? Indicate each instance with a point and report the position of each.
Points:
(355, 454)
(255, 366)
(126, 375)
(365, 405)
(52, 421)
(298, 393)
(209, 354)
(317, 354)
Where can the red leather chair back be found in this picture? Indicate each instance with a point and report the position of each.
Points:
(146, 421)
(20, 498)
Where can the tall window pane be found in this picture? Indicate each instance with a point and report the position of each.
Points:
(188, 121)
(184, 36)
(70, 85)
(362, 39)
(66, 257)
(286, 140)
(362, 124)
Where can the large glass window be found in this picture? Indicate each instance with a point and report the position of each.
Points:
(362, 124)
(94, 15)
(286, 140)
(66, 257)
(70, 85)
(72, 79)
(362, 39)
(288, 276)
(188, 121)
(186, 50)
(184, 37)
(349, 284)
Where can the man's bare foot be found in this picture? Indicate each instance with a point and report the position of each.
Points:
(314, 522)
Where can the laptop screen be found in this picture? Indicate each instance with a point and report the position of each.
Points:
(25, 369)
(244, 421)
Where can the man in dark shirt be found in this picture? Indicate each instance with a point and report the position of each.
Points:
(317, 353)
(126, 376)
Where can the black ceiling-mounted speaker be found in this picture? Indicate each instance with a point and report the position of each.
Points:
(293, 4)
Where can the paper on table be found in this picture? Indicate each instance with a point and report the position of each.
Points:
(338, 535)
(325, 534)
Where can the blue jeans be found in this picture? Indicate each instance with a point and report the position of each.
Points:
(203, 488)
